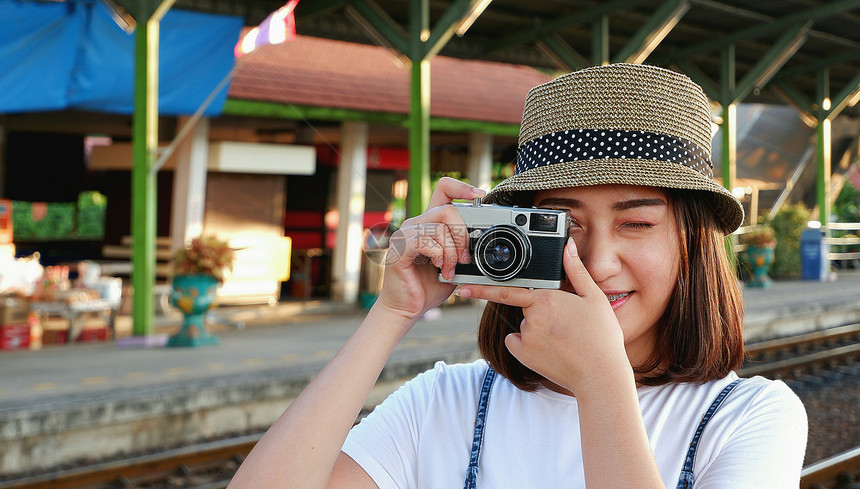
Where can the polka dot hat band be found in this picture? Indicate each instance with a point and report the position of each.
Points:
(618, 124)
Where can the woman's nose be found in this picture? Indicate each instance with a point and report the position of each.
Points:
(599, 254)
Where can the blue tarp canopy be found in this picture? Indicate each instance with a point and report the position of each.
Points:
(72, 55)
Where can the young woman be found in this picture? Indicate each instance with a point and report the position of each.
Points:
(623, 378)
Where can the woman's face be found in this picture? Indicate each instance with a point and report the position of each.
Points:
(627, 238)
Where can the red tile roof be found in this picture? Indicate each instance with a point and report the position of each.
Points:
(326, 73)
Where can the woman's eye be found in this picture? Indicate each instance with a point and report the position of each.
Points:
(638, 225)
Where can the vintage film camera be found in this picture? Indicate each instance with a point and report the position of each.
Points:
(513, 246)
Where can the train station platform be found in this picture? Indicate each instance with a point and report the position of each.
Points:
(74, 404)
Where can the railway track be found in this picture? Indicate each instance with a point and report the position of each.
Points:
(208, 465)
(787, 357)
(838, 471)
(211, 465)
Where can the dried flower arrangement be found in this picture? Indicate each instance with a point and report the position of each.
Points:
(762, 237)
(207, 255)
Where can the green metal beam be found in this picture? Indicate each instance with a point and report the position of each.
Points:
(843, 57)
(727, 75)
(729, 116)
(600, 41)
(655, 29)
(841, 99)
(698, 76)
(382, 24)
(728, 132)
(255, 108)
(760, 29)
(445, 25)
(140, 10)
(463, 126)
(793, 95)
(553, 26)
(143, 191)
(778, 54)
(318, 6)
(561, 53)
(822, 133)
(145, 146)
(418, 196)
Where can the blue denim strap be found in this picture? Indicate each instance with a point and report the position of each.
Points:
(478, 438)
(687, 477)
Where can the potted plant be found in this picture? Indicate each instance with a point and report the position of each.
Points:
(198, 270)
(760, 244)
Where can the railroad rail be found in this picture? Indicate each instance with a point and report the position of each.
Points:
(837, 469)
(802, 352)
(208, 465)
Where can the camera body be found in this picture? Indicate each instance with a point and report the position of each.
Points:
(513, 246)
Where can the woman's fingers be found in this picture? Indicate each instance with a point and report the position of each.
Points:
(448, 189)
(443, 225)
(512, 296)
(432, 241)
(577, 275)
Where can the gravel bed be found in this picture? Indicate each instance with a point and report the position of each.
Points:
(832, 402)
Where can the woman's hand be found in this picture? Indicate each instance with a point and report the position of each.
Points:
(571, 339)
(424, 244)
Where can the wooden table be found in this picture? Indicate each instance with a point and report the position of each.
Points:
(73, 311)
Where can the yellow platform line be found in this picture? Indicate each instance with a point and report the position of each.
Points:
(94, 380)
(44, 386)
(136, 375)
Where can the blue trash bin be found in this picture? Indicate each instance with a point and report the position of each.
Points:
(813, 255)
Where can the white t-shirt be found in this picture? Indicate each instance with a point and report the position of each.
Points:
(421, 436)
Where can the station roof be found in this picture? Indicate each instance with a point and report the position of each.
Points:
(310, 71)
(557, 35)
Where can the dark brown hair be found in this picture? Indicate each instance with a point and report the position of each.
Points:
(700, 334)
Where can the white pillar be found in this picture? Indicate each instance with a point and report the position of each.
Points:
(351, 188)
(480, 166)
(189, 185)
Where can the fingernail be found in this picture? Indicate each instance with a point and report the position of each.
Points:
(463, 292)
(477, 192)
(571, 247)
(464, 257)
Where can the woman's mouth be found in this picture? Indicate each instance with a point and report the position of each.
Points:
(617, 300)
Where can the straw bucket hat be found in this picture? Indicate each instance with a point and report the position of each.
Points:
(618, 124)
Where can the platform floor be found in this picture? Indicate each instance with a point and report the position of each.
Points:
(100, 400)
(303, 337)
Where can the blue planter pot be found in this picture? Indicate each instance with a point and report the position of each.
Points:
(193, 295)
(760, 260)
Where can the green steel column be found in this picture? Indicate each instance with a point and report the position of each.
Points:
(729, 115)
(822, 133)
(143, 192)
(729, 145)
(419, 110)
(728, 132)
(600, 41)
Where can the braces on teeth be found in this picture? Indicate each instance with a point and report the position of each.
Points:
(615, 297)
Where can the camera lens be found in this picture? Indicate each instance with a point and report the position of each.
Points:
(502, 252)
